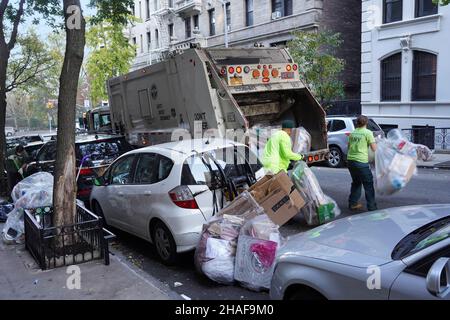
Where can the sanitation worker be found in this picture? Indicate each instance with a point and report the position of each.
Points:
(16, 164)
(359, 142)
(278, 151)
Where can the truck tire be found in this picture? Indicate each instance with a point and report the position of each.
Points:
(336, 158)
(165, 245)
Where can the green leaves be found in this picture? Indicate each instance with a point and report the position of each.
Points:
(319, 68)
(441, 2)
(111, 55)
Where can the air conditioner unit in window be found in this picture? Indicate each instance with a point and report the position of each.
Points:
(276, 15)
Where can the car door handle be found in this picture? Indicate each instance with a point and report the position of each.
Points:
(147, 193)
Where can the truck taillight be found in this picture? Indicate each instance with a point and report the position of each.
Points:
(256, 74)
(223, 71)
(183, 197)
(265, 73)
(288, 67)
(275, 73)
(295, 67)
(239, 70)
(247, 69)
(230, 70)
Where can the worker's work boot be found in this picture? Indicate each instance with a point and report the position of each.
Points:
(356, 207)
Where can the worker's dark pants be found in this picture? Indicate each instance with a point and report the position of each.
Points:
(13, 179)
(361, 176)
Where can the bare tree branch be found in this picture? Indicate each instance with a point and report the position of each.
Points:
(18, 17)
(3, 6)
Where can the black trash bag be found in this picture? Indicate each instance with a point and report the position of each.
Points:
(4, 210)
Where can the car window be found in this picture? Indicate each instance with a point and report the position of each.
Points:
(102, 152)
(421, 267)
(165, 167)
(121, 172)
(372, 126)
(48, 152)
(338, 125)
(152, 168)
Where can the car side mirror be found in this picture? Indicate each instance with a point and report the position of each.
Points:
(438, 278)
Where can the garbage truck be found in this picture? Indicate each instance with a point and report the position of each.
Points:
(229, 90)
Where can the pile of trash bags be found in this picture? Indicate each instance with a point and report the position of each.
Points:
(32, 192)
(319, 207)
(239, 244)
(395, 162)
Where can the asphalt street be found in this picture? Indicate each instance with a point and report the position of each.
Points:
(429, 186)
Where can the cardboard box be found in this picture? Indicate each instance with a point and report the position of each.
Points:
(278, 196)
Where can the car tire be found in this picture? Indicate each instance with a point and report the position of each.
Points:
(165, 245)
(336, 158)
(99, 212)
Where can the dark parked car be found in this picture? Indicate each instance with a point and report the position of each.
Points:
(94, 153)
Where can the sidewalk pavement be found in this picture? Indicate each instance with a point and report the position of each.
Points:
(440, 161)
(21, 278)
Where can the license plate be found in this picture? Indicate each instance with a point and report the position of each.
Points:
(287, 75)
(236, 81)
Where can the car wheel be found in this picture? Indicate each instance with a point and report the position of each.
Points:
(335, 159)
(164, 243)
(9, 134)
(99, 212)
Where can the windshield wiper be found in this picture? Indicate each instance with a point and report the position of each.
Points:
(411, 240)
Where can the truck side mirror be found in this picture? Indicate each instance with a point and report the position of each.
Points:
(438, 278)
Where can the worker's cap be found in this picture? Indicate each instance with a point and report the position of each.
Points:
(288, 124)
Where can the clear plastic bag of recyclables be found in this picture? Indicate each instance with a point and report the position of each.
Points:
(395, 163)
(215, 254)
(33, 192)
(319, 207)
(258, 243)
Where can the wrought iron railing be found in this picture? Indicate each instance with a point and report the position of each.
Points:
(433, 138)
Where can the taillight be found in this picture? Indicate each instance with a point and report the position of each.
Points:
(223, 71)
(230, 70)
(347, 134)
(275, 73)
(256, 74)
(316, 158)
(310, 159)
(265, 73)
(86, 172)
(247, 69)
(84, 193)
(239, 70)
(183, 198)
(295, 67)
(288, 67)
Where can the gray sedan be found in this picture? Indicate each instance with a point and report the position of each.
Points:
(398, 253)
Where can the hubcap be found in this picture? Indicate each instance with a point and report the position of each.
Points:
(162, 243)
(335, 158)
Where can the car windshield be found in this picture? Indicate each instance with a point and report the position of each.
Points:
(422, 238)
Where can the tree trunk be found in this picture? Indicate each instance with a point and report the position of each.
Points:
(4, 56)
(64, 189)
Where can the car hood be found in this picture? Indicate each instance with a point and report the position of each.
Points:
(365, 239)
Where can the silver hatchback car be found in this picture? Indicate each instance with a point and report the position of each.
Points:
(398, 253)
(165, 193)
(339, 129)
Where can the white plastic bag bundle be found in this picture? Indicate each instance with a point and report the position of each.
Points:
(32, 192)
(301, 141)
(319, 207)
(395, 163)
(424, 153)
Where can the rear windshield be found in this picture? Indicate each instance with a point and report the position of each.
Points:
(231, 160)
(102, 152)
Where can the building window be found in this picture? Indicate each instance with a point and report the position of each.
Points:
(140, 10)
(391, 78)
(392, 10)
(156, 38)
(284, 7)
(134, 44)
(424, 76)
(195, 18)
(425, 8)
(170, 27)
(147, 8)
(228, 10)
(187, 27)
(133, 10)
(149, 40)
(212, 22)
(141, 43)
(155, 5)
(249, 13)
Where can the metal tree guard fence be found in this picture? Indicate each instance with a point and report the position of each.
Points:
(433, 138)
(58, 246)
